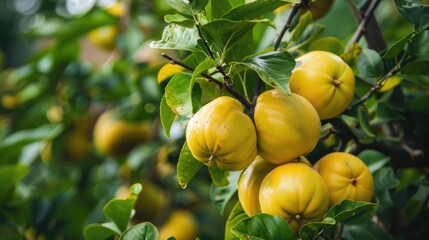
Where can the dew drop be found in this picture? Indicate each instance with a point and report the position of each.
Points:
(184, 186)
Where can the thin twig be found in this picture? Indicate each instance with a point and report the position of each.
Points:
(218, 66)
(221, 85)
(362, 25)
(380, 83)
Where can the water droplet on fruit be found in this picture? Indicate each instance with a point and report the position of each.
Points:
(184, 186)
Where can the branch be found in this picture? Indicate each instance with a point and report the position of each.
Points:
(220, 84)
(379, 84)
(360, 31)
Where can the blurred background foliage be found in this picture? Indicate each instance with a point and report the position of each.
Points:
(65, 63)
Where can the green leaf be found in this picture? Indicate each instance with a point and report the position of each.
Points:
(225, 34)
(142, 231)
(418, 67)
(304, 21)
(365, 230)
(119, 211)
(274, 68)
(369, 64)
(385, 178)
(418, 104)
(363, 117)
(329, 44)
(252, 10)
(178, 94)
(415, 12)
(349, 210)
(187, 166)
(179, 38)
(311, 33)
(385, 113)
(221, 195)
(236, 215)
(419, 46)
(167, 116)
(373, 159)
(218, 8)
(263, 226)
(97, 231)
(314, 229)
(190, 7)
(397, 47)
(10, 175)
(202, 67)
(219, 176)
(179, 20)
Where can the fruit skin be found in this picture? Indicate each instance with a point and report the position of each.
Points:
(295, 192)
(250, 183)
(181, 224)
(346, 176)
(116, 137)
(318, 8)
(325, 80)
(287, 126)
(221, 135)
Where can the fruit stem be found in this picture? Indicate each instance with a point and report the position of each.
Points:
(337, 82)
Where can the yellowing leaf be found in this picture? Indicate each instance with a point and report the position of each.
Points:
(390, 83)
(168, 70)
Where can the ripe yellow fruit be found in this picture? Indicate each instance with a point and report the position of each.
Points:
(346, 176)
(221, 135)
(287, 126)
(325, 80)
(250, 183)
(117, 137)
(181, 224)
(318, 8)
(295, 192)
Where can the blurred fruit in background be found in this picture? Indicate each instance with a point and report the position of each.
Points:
(181, 224)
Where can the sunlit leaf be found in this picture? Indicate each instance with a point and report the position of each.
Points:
(252, 10)
(219, 177)
(329, 44)
(167, 116)
(178, 37)
(178, 94)
(119, 211)
(369, 64)
(97, 231)
(179, 20)
(191, 7)
(274, 68)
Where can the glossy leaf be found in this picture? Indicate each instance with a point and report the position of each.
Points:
(419, 46)
(236, 215)
(167, 116)
(179, 38)
(415, 12)
(220, 196)
(369, 64)
(348, 210)
(263, 226)
(178, 94)
(397, 47)
(274, 68)
(202, 67)
(142, 231)
(119, 211)
(219, 176)
(385, 178)
(304, 21)
(187, 166)
(363, 117)
(373, 159)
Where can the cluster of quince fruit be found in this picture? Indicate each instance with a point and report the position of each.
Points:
(277, 178)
